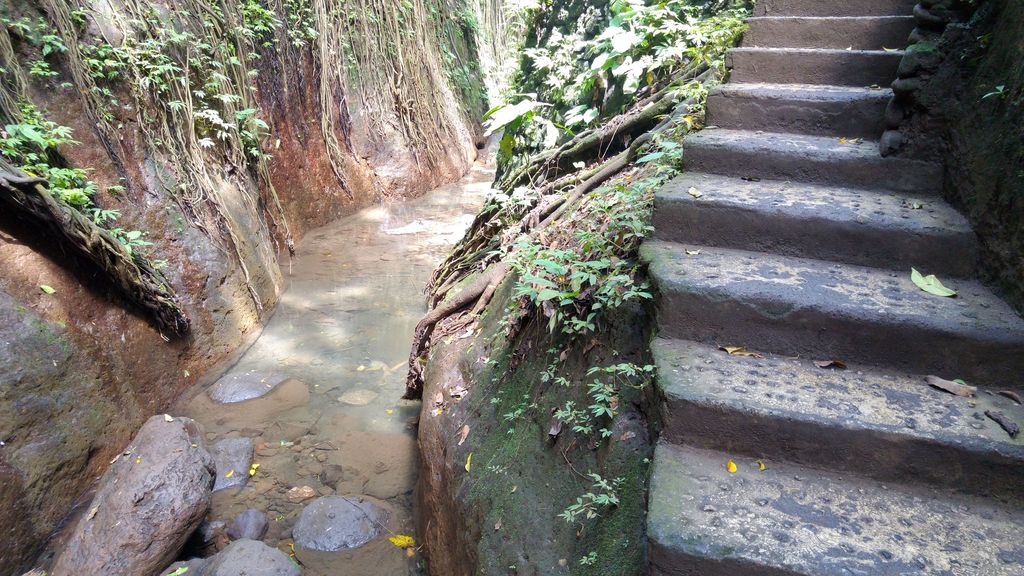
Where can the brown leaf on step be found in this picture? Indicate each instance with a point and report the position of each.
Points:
(497, 525)
(739, 351)
(693, 191)
(555, 428)
(563, 355)
(463, 434)
(1011, 395)
(950, 386)
(837, 364)
(627, 435)
(1010, 426)
(439, 398)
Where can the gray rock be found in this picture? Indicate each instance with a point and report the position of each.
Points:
(332, 474)
(241, 386)
(336, 523)
(891, 142)
(249, 525)
(251, 558)
(232, 455)
(148, 503)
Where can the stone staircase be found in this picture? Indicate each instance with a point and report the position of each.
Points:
(792, 237)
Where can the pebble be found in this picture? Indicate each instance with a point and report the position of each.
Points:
(301, 494)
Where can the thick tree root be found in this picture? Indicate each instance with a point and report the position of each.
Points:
(27, 198)
(482, 287)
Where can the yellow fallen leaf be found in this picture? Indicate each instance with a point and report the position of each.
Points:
(760, 465)
(469, 460)
(390, 411)
(403, 541)
(138, 460)
(253, 469)
(692, 252)
(410, 552)
(731, 467)
(229, 474)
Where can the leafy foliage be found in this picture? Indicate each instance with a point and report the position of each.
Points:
(32, 145)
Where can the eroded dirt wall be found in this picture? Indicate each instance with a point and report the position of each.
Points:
(360, 105)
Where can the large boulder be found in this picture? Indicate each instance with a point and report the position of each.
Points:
(232, 457)
(251, 558)
(148, 503)
(335, 523)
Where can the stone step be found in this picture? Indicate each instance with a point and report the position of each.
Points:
(886, 426)
(813, 66)
(827, 223)
(791, 520)
(800, 109)
(810, 159)
(814, 309)
(844, 33)
(824, 8)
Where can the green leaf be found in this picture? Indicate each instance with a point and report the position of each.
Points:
(649, 157)
(47, 289)
(547, 294)
(179, 571)
(930, 284)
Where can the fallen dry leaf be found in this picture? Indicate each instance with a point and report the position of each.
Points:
(463, 434)
(497, 525)
(402, 541)
(731, 467)
(739, 351)
(1011, 395)
(469, 460)
(167, 418)
(439, 398)
(555, 428)
(627, 435)
(837, 364)
(950, 386)
(692, 252)
(761, 466)
(694, 192)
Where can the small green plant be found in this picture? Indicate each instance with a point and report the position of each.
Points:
(589, 506)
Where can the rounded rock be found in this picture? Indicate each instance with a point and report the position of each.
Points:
(335, 523)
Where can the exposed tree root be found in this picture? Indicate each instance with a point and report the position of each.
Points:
(480, 290)
(28, 198)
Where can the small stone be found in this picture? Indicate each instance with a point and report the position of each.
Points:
(233, 457)
(301, 494)
(251, 524)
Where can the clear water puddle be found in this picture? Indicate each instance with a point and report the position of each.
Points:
(334, 354)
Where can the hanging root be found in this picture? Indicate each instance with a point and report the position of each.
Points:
(27, 197)
(479, 291)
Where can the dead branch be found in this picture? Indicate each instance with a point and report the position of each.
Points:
(28, 198)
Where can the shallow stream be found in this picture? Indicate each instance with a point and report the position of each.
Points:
(331, 366)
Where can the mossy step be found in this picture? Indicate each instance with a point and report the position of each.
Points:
(839, 32)
(849, 225)
(887, 426)
(846, 111)
(830, 161)
(791, 520)
(815, 309)
(813, 66)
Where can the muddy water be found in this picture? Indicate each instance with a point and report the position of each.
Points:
(331, 363)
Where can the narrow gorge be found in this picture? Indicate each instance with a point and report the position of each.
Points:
(510, 287)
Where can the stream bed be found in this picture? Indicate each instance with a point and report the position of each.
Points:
(318, 393)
